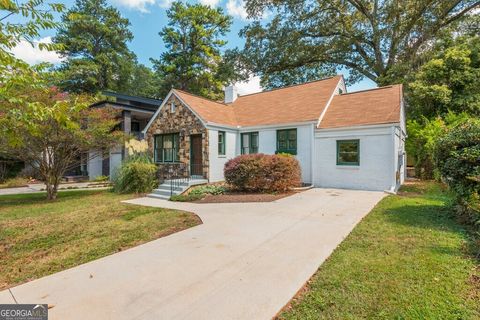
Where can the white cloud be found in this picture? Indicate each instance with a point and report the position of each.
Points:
(140, 5)
(252, 85)
(211, 3)
(165, 3)
(33, 55)
(236, 8)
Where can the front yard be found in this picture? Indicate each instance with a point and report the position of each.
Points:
(408, 259)
(38, 238)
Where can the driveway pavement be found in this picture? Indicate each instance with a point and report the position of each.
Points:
(246, 261)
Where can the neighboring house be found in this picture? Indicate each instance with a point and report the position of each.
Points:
(342, 140)
(135, 112)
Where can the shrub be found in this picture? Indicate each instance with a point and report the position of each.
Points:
(14, 183)
(135, 176)
(208, 189)
(457, 157)
(264, 173)
(186, 197)
(101, 179)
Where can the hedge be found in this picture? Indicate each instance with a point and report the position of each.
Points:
(263, 173)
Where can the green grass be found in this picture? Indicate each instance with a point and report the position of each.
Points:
(408, 259)
(38, 237)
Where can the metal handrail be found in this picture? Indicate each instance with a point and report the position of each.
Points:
(179, 173)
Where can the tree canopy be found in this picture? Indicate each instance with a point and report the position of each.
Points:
(94, 38)
(15, 73)
(193, 40)
(379, 40)
(448, 80)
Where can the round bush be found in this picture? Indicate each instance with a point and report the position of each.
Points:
(135, 177)
(261, 172)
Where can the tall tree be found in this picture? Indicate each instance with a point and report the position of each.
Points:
(379, 40)
(448, 82)
(94, 37)
(193, 39)
(143, 83)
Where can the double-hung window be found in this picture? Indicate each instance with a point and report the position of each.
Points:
(287, 141)
(348, 152)
(166, 147)
(221, 143)
(249, 142)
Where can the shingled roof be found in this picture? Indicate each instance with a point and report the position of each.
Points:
(375, 106)
(302, 103)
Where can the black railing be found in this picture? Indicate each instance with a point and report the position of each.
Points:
(178, 174)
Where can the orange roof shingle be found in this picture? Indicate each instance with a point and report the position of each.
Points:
(209, 110)
(297, 103)
(376, 106)
(301, 103)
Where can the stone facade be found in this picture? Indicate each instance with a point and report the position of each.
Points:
(184, 122)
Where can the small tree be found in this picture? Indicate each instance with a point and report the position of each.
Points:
(52, 130)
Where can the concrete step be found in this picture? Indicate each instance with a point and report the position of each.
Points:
(158, 196)
(167, 187)
(166, 193)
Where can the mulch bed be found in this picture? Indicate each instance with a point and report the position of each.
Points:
(244, 197)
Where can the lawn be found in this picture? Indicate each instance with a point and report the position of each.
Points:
(38, 238)
(408, 259)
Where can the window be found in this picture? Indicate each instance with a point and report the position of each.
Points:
(348, 152)
(172, 107)
(249, 142)
(221, 143)
(287, 141)
(166, 147)
(135, 126)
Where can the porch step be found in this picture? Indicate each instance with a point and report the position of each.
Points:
(164, 191)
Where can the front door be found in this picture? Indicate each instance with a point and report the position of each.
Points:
(196, 161)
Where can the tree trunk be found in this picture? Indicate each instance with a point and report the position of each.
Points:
(52, 189)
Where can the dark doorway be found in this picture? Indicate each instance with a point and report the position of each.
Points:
(196, 159)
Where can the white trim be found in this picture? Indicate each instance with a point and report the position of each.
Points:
(212, 125)
(334, 93)
(367, 126)
(133, 109)
(273, 126)
(155, 115)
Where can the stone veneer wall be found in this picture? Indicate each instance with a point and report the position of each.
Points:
(184, 122)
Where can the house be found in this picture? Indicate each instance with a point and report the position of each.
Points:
(342, 140)
(134, 113)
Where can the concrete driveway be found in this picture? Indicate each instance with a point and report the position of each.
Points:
(245, 262)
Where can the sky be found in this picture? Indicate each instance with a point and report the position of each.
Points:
(147, 18)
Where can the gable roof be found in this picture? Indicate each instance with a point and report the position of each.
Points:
(316, 101)
(375, 106)
(208, 110)
(297, 103)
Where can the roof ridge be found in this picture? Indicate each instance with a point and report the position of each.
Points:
(289, 86)
(197, 96)
(372, 89)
